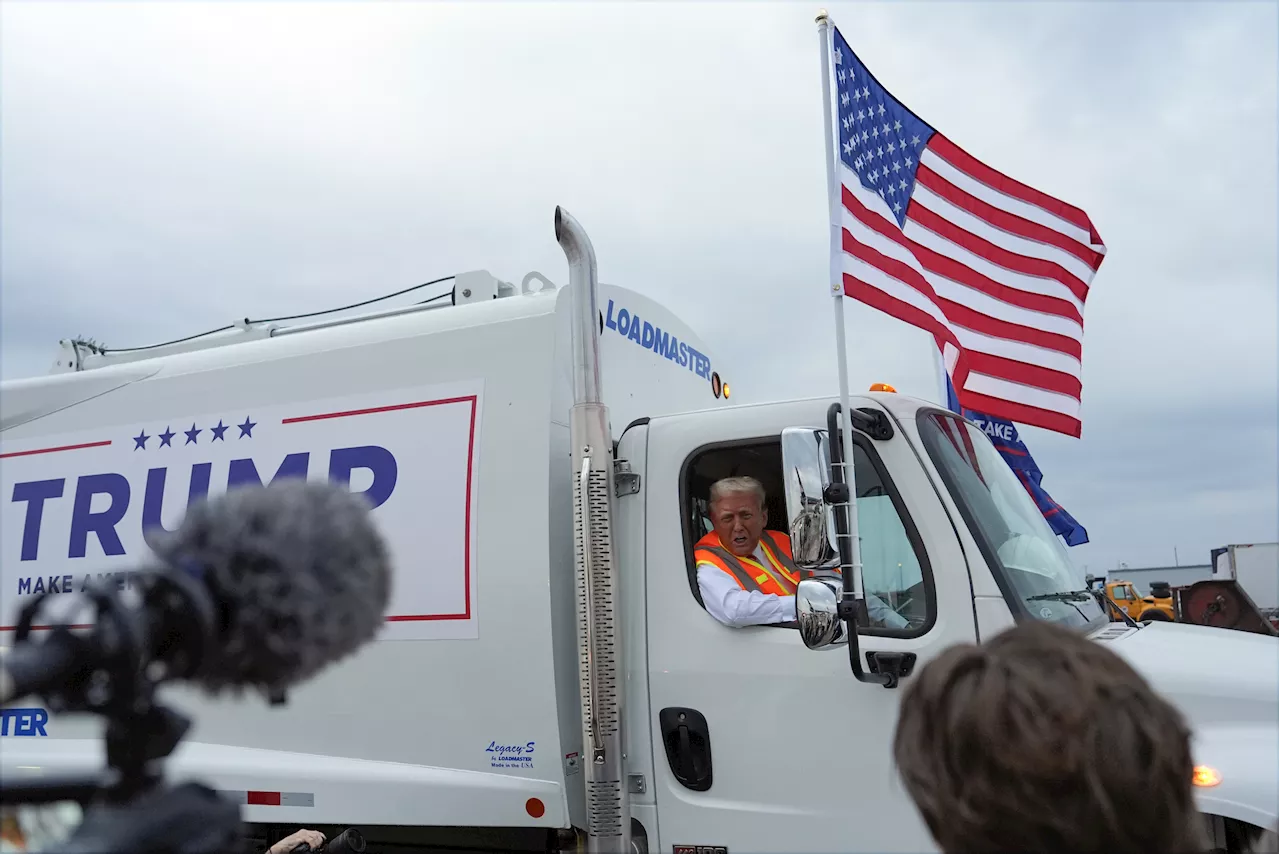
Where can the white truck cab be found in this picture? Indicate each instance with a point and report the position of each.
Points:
(539, 459)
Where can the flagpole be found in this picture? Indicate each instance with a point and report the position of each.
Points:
(837, 296)
(940, 367)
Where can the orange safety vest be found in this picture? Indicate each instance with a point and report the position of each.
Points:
(778, 578)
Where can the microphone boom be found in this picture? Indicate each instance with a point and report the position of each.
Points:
(260, 588)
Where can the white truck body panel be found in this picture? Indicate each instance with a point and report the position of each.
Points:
(411, 730)
(1256, 568)
(504, 677)
(1233, 719)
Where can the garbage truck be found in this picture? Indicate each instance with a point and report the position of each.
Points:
(539, 457)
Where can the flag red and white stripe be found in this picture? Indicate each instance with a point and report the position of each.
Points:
(997, 271)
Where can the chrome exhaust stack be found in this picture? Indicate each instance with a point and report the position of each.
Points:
(595, 565)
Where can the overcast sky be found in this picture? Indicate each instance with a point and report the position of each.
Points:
(167, 168)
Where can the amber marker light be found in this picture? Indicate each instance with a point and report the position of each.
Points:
(1205, 777)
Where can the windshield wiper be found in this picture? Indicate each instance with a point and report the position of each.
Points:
(1071, 596)
(1063, 596)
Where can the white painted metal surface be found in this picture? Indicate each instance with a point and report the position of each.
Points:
(414, 698)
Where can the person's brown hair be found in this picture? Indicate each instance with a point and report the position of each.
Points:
(1044, 740)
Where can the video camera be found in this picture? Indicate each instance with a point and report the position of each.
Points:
(199, 616)
(349, 841)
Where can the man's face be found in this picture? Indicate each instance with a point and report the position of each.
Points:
(739, 521)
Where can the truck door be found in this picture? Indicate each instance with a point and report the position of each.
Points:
(760, 744)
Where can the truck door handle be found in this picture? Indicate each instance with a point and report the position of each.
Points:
(687, 740)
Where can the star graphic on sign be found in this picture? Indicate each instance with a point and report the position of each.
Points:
(166, 437)
(140, 440)
(218, 431)
(246, 429)
(191, 434)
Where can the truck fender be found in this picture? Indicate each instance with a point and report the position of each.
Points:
(1248, 790)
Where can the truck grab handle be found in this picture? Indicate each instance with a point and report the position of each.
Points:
(852, 608)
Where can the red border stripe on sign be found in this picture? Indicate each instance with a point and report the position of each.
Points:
(55, 450)
(470, 400)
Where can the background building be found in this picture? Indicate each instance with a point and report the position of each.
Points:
(1176, 576)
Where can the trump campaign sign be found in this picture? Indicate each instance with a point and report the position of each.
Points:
(83, 506)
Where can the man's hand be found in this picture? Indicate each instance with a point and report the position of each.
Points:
(314, 838)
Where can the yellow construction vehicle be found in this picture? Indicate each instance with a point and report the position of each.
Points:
(1157, 606)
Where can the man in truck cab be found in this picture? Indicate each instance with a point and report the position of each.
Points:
(745, 573)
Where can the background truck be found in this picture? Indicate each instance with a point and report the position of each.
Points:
(1222, 601)
(1256, 568)
(539, 458)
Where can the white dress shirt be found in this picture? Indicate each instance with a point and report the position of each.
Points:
(735, 607)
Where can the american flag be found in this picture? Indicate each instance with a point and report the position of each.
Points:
(997, 271)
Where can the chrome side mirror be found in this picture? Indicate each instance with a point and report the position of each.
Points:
(817, 601)
(806, 460)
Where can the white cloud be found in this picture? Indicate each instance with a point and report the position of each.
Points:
(171, 167)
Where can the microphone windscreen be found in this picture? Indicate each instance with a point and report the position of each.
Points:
(299, 575)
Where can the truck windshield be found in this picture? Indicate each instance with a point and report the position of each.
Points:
(1030, 561)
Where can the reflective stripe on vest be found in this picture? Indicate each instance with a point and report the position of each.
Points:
(778, 577)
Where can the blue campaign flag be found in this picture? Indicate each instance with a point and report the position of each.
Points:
(1006, 440)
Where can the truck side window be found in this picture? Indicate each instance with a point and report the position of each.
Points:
(895, 569)
(891, 557)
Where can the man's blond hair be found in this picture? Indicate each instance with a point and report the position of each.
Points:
(736, 486)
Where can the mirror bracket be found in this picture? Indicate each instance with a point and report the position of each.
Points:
(896, 665)
(835, 493)
(873, 422)
(853, 609)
